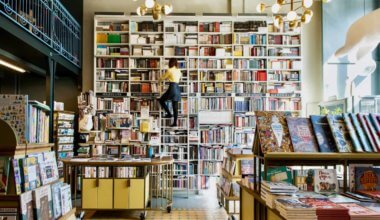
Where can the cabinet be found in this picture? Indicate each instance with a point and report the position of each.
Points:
(126, 193)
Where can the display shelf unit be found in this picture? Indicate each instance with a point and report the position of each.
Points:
(64, 126)
(242, 62)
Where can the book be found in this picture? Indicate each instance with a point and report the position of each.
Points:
(276, 174)
(273, 132)
(351, 130)
(367, 178)
(66, 203)
(48, 168)
(366, 132)
(42, 202)
(372, 132)
(352, 177)
(340, 133)
(325, 181)
(30, 173)
(337, 198)
(360, 211)
(246, 167)
(26, 204)
(56, 197)
(374, 194)
(4, 174)
(301, 134)
(361, 135)
(17, 176)
(375, 123)
(323, 133)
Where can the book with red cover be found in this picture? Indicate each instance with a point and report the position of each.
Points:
(360, 132)
(351, 130)
(301, 134)
(356, 210)
(372, 194)
(366, 131)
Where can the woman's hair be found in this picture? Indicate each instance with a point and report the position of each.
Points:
(173, 62)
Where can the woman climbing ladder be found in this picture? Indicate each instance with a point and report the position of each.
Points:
(173, 75)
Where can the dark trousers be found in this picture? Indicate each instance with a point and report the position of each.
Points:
(175, 108)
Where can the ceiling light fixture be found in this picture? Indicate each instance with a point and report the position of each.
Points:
(11, 66)
(296, 7)
(156, 9)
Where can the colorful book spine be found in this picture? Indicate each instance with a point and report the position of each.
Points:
(375, 123)
(359, 131)
(367, 132)
(351, 130)
(340, 133)
(372, 131)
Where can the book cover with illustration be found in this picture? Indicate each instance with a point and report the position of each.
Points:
(340, 133)
(17, 176)
(246, 167)
(4, 174)
(325, 181)
(56, 197)
(42, 202)
(66, 204)
(30, 173)
(367, 132)
(301, 134)
(373, 133)
(367, 178)
(273, 132)
(277, 174)
(48, 168)
(323, 133)
(360, 132)
(359, 211)
(351, 130)
(26, 204)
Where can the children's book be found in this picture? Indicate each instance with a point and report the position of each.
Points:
(56, 197)
(325, 181)
(66, 203)
(367, 178)
(323, 133)
(301, 134)
(340, 133)
(26, 203)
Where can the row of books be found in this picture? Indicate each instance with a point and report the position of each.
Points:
(107, 38)
(282, 28)
(144, 75)
(224, 103)
(249, 64)
(111, 63)
(249, 104)
(117, 105)
(211, 153)
(144, 63)
(284, 39)
(112, 87)
(38, 125)
(249, 26)
(244, 138)
(217, 135)
(146, 26)
(181, 26)
(289, 51)
(182, 182)
(102, 50)
(247, 50)
(249, 38)
(215, 51)
(181, 51)
(284, 104)
(147, 50)
(46, 202)
(215, 39)
(245, 120)
(336, 133)
(215, 27)
(146, 39)
(229, 188)
(284, 64)
(246, 166)
(112, 75)
(210, 167)
(283, 76)
(112, 26)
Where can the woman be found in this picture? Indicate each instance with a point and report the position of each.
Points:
(173, 75)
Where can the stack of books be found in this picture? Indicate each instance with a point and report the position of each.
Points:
(271, 190)
(291, 208)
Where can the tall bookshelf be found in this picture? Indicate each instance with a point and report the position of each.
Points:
(231, 66)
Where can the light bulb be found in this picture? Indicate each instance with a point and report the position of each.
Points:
(307, 3)
(276, 8)
(149, 3)
(138, 11)
(260, 7)
(292, 15)
(278, 21)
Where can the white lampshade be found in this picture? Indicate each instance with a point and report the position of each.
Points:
(276, 8)
(138, 11)
(307, 3)
(149, 3)
(278, 21)
(167, 9)
(291, 16)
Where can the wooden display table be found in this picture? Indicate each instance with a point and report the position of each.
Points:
(151, 187)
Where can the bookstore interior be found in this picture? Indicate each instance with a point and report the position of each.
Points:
(164, 109)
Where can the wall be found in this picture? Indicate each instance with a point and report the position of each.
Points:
(311, 40)
(338, 15)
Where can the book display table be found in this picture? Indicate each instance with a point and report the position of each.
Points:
(121, 184)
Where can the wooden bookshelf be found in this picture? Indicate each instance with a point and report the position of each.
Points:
(220, 58)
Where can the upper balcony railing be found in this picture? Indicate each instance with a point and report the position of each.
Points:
(50, 22)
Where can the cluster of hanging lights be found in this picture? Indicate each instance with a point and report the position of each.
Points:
(301, 7)
(155, 8)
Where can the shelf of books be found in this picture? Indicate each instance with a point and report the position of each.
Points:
(326, 166)
(230, 65)
(30, 186)
(64, 122)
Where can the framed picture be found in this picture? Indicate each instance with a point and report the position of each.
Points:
(333, 107)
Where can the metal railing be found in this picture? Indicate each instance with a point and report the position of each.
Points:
(50, 22)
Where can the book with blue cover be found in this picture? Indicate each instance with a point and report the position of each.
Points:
(361, 135)
(301, 134)
(323, 133)
(355, 139)
(367, 178)
(340, 133)
(17, 176)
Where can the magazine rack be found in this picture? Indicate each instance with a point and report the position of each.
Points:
(9, 147)
(263, 161)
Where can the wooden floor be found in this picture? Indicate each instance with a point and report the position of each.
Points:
(202, 214)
